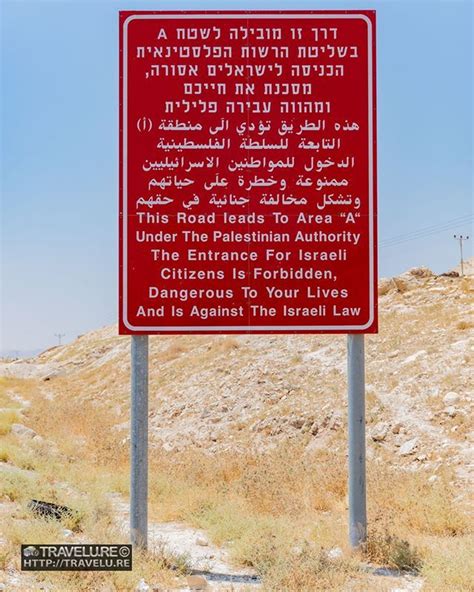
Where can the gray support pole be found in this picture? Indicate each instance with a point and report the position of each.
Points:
(139, 443)
(356, 413)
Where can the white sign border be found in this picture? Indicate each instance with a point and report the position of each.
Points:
(247, 328)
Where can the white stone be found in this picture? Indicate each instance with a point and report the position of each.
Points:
(22, 431)
(451, 398)
(409, 447)
(379, 432)
(414, 357)
(142, 586)
(335, 553)
(451, 411)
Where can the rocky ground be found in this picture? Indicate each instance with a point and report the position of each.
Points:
(239, 393)
(227, 392)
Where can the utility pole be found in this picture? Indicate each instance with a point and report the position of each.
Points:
(60, 336)
(461, 238)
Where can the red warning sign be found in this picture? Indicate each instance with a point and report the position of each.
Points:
(247, 172)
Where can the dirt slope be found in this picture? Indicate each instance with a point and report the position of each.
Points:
(235, 392)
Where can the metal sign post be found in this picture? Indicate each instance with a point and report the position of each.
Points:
(356, 420)
(139, 443)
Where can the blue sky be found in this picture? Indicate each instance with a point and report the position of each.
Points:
(59, 150)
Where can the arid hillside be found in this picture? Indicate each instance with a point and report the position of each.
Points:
(248, 443)
(232, 392)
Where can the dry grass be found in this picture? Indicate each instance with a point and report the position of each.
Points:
(387, 549)
(279, 511)
(412, 504)
(155, 568)
(309, 571)
(7, 418)
(8, 387)
(449, 565)
(464, 325)
(22, 486)
(264, 507)
(150, 567)
(15, 454)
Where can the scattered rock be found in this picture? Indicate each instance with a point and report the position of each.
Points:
(398, 440)
(142, 586)
(414, 357)
(399, 284)
(451, 411)
(385, 285)
(334, 421)
(335, 553)
(296, 550)
(451, 398)
(450, 274)
(201, 541)
(421, 272)
(22, 431)
(409, 447)
(396, 428)
(297, 422)
(380, 431)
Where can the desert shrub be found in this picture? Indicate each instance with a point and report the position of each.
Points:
(392, 551)
(308, 570)
(7, 418)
